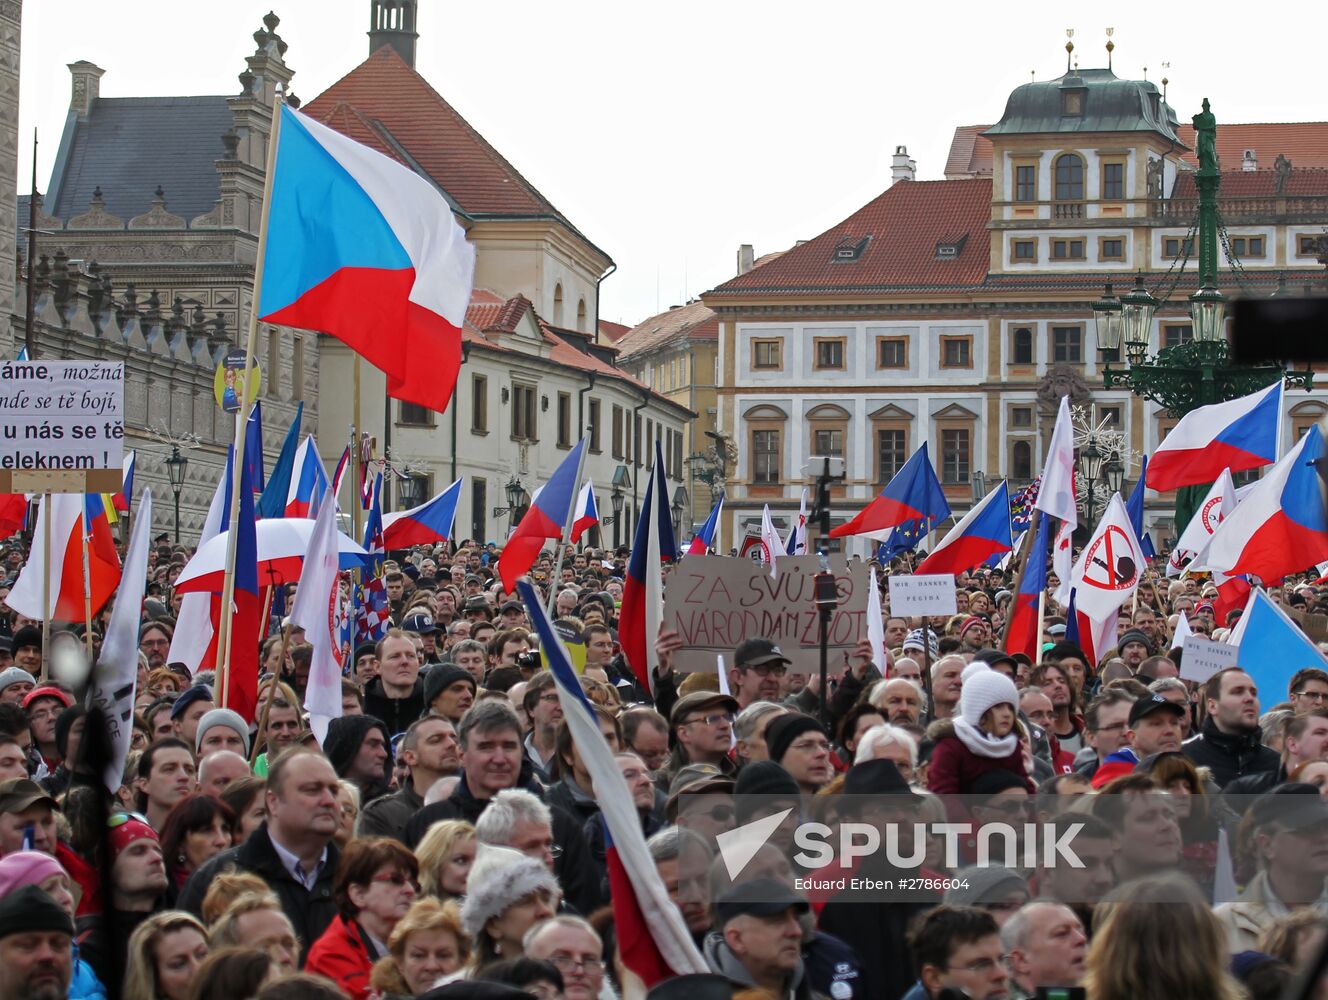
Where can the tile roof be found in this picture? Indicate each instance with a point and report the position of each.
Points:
(386, 105)
(694, 321)
(128, 146)
(613, 332)
(1258, 184)
(1305, 144)
(970, 153)
(902, 227)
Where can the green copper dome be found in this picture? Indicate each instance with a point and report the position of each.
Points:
(1089, 100)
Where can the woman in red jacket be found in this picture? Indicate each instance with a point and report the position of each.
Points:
(377, 880)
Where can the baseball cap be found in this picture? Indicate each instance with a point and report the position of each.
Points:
(991, 657)
(419, 623)
(754, 652)
(511, 606)
(17, 794)
(1151, 704)
(762, 897)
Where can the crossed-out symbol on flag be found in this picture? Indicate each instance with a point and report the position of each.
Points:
(1212, 514)
(1105, 569)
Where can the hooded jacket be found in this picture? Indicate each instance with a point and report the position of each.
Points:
(396, 713)
(722, 961)
(1230, 755)
(345, 736)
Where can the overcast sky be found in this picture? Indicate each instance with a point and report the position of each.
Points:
(671, 133)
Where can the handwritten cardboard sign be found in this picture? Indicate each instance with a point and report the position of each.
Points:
(715, 602)
(916, 596)
(1200, 658)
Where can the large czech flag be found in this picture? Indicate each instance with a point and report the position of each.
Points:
(1237, 435)
(1022, 634)
(364, 249)
(980, 534)
(427, 524)
(914, 494)
(643, 591)
(546, 519)
(72, 517)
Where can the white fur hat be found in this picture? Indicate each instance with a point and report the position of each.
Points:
(982, 690)
(500, 878)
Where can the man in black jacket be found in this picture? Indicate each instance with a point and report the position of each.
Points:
(1306, 739)
(429, 749)
(1229, 743)
(360, 750)
(396, 695)
(292, 851)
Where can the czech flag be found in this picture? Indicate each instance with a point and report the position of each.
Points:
(121, 499)
(983, 532)
(253, 447)
(546, 519)
(426, 524)
(308, 481)
(72, 515)
(652, 937)
(246, 626)
(1236, 435)
(587, 512)
(273, 501)
(1135, 507)
(1022, 634)
(339, 473)
(365, 249)
(914, 494)
(643, 591)
(1272, 647)
(373, 613)
(1281, 526)
(704, 539)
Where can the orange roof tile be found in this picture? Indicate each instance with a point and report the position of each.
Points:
(1305, 144)
(694, 321)
(903, 228)
(1258, 184)
(970, 153)
(613, 332)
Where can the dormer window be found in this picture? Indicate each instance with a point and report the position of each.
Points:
(949, 249)
(1072, 102)
(849, 249)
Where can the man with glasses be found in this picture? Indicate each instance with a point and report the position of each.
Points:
(1308, 690)
(800, 745)
(1104, 727)
(154, 640)
(702, 723)
(545, 711)
(572, 946)
(758, 668)
(958, 948)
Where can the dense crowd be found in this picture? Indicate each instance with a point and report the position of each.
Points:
(445, 839)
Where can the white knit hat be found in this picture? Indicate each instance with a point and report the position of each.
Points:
(982, 690)
(499, 878)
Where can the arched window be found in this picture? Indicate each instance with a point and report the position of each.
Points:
(558, 304)
(827, 425)
(581, 315)
(1023, 346)
(1021, 461)
(1069, 177)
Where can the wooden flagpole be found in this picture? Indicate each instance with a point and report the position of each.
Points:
(1042, 611)
(87, 587)
(567, 530)
(260, 735)
(46, 586)
(226, 635)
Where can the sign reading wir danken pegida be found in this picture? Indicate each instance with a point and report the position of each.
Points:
(61, 415)
(715, 602)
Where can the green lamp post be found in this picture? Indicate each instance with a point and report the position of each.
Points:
(1185, 376)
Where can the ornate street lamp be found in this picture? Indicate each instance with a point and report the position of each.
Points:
(1107, 323)
(516, 498)
(175, 469)
(617, 497)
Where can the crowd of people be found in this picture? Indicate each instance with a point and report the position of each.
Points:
(445, 838)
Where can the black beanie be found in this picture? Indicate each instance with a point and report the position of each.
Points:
(31, 909)
(765, 777)
(442, 676)
(781, 732)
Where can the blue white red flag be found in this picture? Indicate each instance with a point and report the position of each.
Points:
(587, 512)
(1238, 434)
(373, 613)
(1022, 634)
(642, 608)
(343, 463)
(365, 249)
(253, 447)
(704, 539)
(914, 494)
(652, 938)
(429, 523)
(121, 500)
(308, 481)
(546, 519)
(71, 516)
(273, 501)
(797, 536)
(982, 532)
(1135, 506)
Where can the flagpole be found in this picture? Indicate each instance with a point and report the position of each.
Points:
(267, 707)
(87, 586)
(241, 422)
(567, 529)
(1042, 611)
(46, 585)
(354, 452)
(1024, 549)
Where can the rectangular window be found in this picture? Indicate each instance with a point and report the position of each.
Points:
(890, 457)
(1025, 183)
(1021, 416)
(1111, 414)
(1113, 181)
(828, 441)
(677, 454)
(1307, 246)
(1067, 344)
(415, 415)
(564, 420)
(956, 352)
(1067, 249)
(479, 508)
(1112, 248)
(1176, 246)
(954, 456)
(479, 404)
(524, 417)
(1175, 334)
(617, 432)
(767, 354)
(1247, 246)
(829, 354)
(1023, 251)
(891, 352)
(592, 418)
(765, 458)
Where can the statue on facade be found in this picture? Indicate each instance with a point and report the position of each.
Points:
(1282, 171)
(1154, 175)
(1205, 131)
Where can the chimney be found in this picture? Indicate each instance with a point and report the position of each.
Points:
(903, 167)
(392, 22)
(746, 257)
(87, 86)
(1250, 162)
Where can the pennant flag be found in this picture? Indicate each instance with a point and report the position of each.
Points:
(1236, 435)
(1056, 494)
(427, 524)
(253, 447)
(365, 249)
(704, 540)
(1135, 506)
(273, 501)
(318, 610)
(546, 519)
(653, 940)
(343, 463)
(13, 514)
(1182, 630)
(1281, 526)
(68, 513)
(771, 545)
(116, 673)
(642, 608)
(121, 500)
(914, 494)
(797, 536)
(1272, 647)
(308, 481)
(373, 612)
(875, 623)
(1110, 565)
(1022, 634)
(1220, 501)
(982, 531)
(587, 512)
(246, 625)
